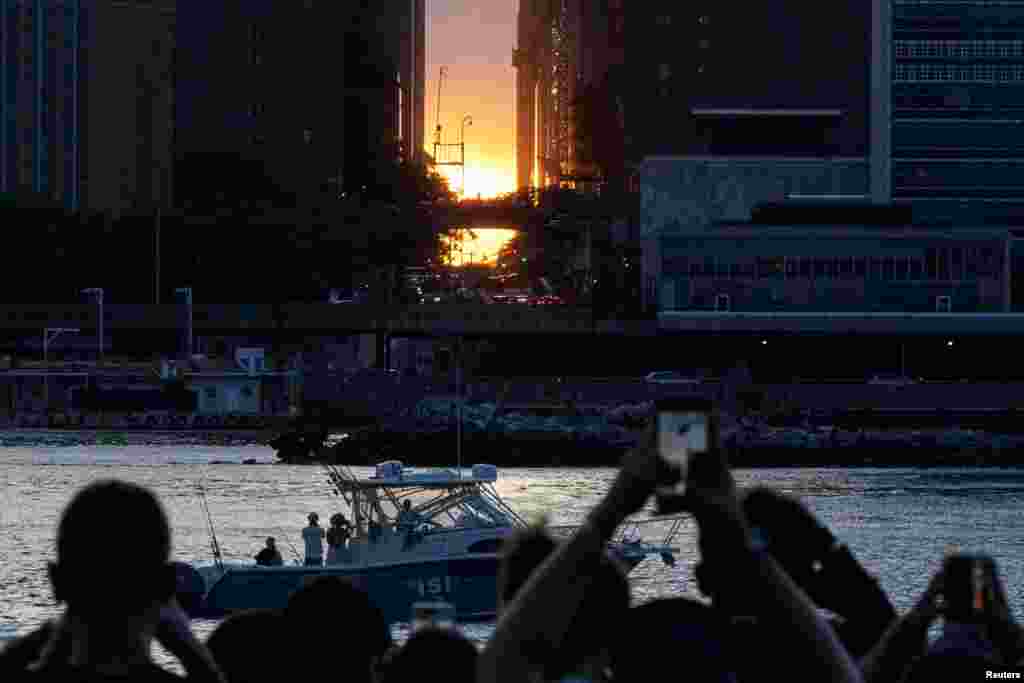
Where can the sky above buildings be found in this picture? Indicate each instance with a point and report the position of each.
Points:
(474, 39)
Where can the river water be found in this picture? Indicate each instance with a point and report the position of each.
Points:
(898, 522)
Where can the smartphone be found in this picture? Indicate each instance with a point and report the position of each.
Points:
(968, 587)
(686, 428)
(432, 615)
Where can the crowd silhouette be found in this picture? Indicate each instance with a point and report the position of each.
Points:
(783, 598)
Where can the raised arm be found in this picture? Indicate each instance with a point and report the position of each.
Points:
(905, 639)
(815, 652)
(539, 617)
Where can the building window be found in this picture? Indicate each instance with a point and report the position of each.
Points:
(792, 265)
(771, 267)
(664, 20)
(971, 264)
(874, 268)
(915, 268)
(860, 267)
(821, 268)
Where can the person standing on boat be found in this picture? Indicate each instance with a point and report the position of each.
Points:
(337, 540)
(269, 556)
(313, 535)
(408, 521)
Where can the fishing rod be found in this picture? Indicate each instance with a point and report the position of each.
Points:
(298, 558)
(213, 534)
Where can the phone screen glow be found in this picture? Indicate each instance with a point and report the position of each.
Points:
(681, 434)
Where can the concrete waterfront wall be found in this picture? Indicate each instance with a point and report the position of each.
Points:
(405, 392)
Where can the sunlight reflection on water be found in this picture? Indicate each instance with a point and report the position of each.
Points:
(898, 522)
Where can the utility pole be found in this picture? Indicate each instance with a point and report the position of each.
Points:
(98, 291)
(187, 291)
(156, 269)
(49, 334)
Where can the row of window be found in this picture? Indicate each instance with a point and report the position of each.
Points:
(723, 302)
(959, 48)
(937, 264)
(929, 73)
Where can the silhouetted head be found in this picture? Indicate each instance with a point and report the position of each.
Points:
(270, 542)
(327, 601)
(427, 650)
(680, 629)
(313, 518)
(236, 639)
(596, 622)
(92, 533)
(407, 505)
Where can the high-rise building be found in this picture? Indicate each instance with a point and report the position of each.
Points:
(87, 94)
(787, 78)
(307, 90)
(957, 81)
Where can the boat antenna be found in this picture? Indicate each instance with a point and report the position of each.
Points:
(214, 546)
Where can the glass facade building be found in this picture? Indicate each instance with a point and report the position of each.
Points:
(957, 104)
(42, 50)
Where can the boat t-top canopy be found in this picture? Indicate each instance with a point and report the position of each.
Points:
(391, 474)
(453, 496)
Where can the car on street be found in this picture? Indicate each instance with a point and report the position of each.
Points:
(671, 377)
(893, 380)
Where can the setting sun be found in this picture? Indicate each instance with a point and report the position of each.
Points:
(487, 182)
(482, 250)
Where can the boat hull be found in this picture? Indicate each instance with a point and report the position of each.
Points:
(468, 583)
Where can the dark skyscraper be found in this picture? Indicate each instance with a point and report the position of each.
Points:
(87, 93)
(307, 90)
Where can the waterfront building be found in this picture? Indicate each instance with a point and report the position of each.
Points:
(843, 258)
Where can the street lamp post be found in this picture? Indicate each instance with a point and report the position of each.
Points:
(98, 291)
(187, 291)
(49, 334)
(467, 120)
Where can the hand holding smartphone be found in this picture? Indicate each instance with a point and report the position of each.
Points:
(687, 429)
(968, 588)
